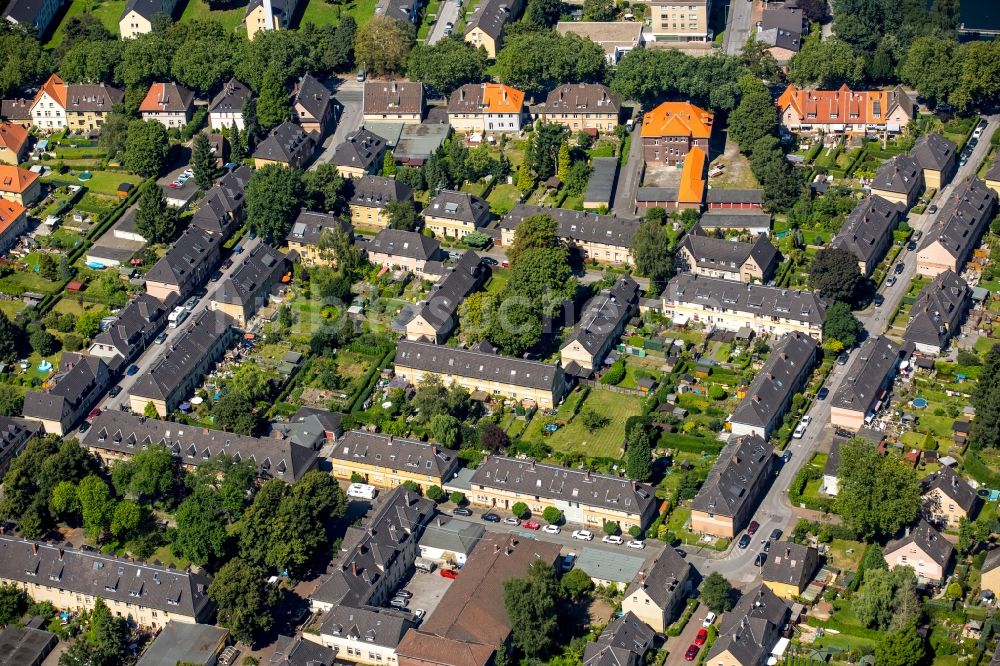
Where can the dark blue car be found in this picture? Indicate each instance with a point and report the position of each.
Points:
(132, 369)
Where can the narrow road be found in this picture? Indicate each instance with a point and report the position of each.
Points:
(738, 26)
(447, 13)
(628, 179)
(678, 645)
(349, 114)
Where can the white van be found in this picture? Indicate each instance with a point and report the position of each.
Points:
(361, 491)
(178, 315)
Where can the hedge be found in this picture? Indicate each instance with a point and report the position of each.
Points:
(844, 628)
(677, 627)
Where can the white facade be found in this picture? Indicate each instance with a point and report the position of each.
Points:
(219, 119)
(134, 24)
(47, 114)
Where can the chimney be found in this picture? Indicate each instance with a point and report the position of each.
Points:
(34, 549)
(354, 568)
(61, 551)
(642, 579)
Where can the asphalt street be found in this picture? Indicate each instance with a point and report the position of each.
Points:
(738, 26)
(349, 114)
(628, 179)
(447, 13)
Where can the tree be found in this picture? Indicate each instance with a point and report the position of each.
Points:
(593, 421)
(757, 57)
(931, 65)
(146, 147)
(841, 324)
(402, 215)
(272, 201)
(475, 314)
(43, 343)
(599, 10)
(520, 510)
(543, 152)
(447, 65)
(457, 498)
(755, 117)
(203, 161)
(492, 438)
(552, 515)
(577, 584)
(11, 401)
(827, 63)
(834, 273)
(388, 164)
(651, 249)
(639, 455)
(382, 45)
(985, 428)
(13, 603)
(96, 504)
(610, 527)
(149, 474)
(323, 187)
(154, 219)
(435, 494)
(236, 413)
(878, 494)
(103, 643)
(125, 519)
(902, 648)
(244, 598)
(538, 61)
(534, 232)
(542, 14)
(814, 10)
(23, 57)
(149, 411)
(447, 430)
(525, 181)
(10, 337)
(563, 162)
(532, 607)
(273, 106)
(201, 535)
(717, 593)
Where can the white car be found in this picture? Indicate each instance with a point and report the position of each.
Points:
(709, 620)
(583, 535)
(613, 539)
(800, 429)
(638, 545)
(551, 529)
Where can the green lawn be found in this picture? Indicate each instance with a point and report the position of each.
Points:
(503, 198)
(573, 437)
(199, 10)
(102, 182)
(27, 282)
(320, 12)
(107, 11)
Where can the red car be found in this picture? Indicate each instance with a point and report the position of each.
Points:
(701, 637)
(530, 525)
(691, 653)
(94, 413)
(753, 527)
(449, 573)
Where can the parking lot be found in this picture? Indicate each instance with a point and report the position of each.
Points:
(427, 590)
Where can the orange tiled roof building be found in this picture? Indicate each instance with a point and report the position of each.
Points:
(845, 110)
(672, 129)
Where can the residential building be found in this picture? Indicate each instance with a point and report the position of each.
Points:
(957, 229)
(138, 16)
(603, 238)
(268, 15)
(948, 498)
(503, 377)
(583, 497)
(185, 266)
(624, 642)
(19, 185)
(732, 305)
(845, 110)
(185, 643)
(361, 154)
(17, 111)
(221, 211)
(782, 30)
(704, 255)
(749, 632)
(600, 325)
(226, 108)
(116, 436)
(133, 330)
(923, 549)
(471, 619)
(680, 20)
(991, 571)
(672, 129)
(249, 287)
(867, 231)
(169, 104)
(437, 315)
(300, 651)
(900, 180)
(616, 37)
(992, 175)
(937, 156)
(362, 635)
(485, 26)
(734, 487)
(177, 372)
(27, 645)
(307, 231)
(453, 214)
(15, 433)
(789, 568)
(936, 316)
(393, 101)
(34, 15)
(74, 390)
(770, 394)
(449, 540)
(313, 105)
(13, 223)
(287, 145)
(658, 593)
(48, 109)
(148, 594)
(13, 143)
(486, 107)
(370, 197)
(329, 422)
(869, 378)
(77, 107)
(401, 10)
(386, 461)
(410, 250)
(831, 471)
(310, 426)
(582, 106)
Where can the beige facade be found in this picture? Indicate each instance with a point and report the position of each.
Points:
(935, 259)
(943, 508)
(257, 20)
(732, 320)
(447, 227)
(991, 577)
(602, 122)
(134, 24)
(369, 216)
(602, 252)
(594, 517)
(26, 197)
(478, 37)
(993, 179)
(850, 419)
(895, 197)
(748, 271)
(311, 254)
(680, 20)
(911, 555)
(710, 523)
(726, 658)
(544, 398)
(419, 328)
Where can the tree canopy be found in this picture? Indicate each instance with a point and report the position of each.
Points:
(446, 65)
(272, 201)
(532, 605)
(146, 147)
(878, 494)
(381, 45)
(539, 61)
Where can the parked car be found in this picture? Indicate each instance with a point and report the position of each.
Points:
(891, 280)
(900, 267)
(418, 615)
(767, 546)
(701, 637)
(932, 209)
(160, 339)
(447, 572)
(753, 527)
(94, 413)
(461, 511)
(799, 432)
(115, 390)
(404, 594)
(132, 369)
(400, 602)
(551, 529)
(491, 517)
(583, 535)
(638, 545)
(361, 75)
(911, 246)
(681, 552)
(843, 358)
(568, 561)
(490, 261)
(822, 393)
(531, 525)
(744, 542)
(613, 539)
(709, 620)
(216, 276)
(691, 653)
(760, 559)
(776, 534)
(84, 427)
(786, 456)
(511, 520)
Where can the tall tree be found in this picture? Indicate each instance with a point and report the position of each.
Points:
(382, 45)
(96, 504)
(651, 249)
(755, 117)
(402, 215)
(542, 14)
(272, 201)
(203, 161)
(639, 455)
(532, 605)
(446, 65)
(901, 648)
(828, 63)
(11, 337)
(834, 273)
(146, 147)
(841, 325)
(599, 10)
(154, 219)
(985, 428)
(245, 599)
(538, 61)
(534, 232)
(717, 593)
(878, 493)
(201, 534)
(273, 106)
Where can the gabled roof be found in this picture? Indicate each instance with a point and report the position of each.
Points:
(393, 97)
(578, 226)
(901, 175)
(366, 624)
(749, 631)
(258, 269)
(441, 306)
(417, 457)
(452, 535)
(222, 207)
(866, 227)
(992, 561)
(844, 106)
(360, 150)
(298, 651)
(718, 253)
(130, 329)
(148, 9)
(936, 314)
(312, 95)
(793, 305)
(377, 191)
(678, 119)
(692, 187)
(770, 391)
(664, 579)
(287, 143)
(231, 98)
(626, 640)
(283, 9)
(962, 218)
(957, 489)
(486, 98)
(604, 315)
(185, 256)
(406, 244)
(309, 226)
(15, 179)
(10, 212)
(877, 358)
(781, 28)
(167, 98)
(458, 206)
(925, 538)
(933, 151)
(16, 109)
(77, 376)
(55, 88)
(13, 137)
(992, 174)
(790, 563)
(477, 365)
(490, 16)
(580, 98)
(727, 489)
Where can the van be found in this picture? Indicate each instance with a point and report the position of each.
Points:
(424, 564)
(361, 491)
(177, 317)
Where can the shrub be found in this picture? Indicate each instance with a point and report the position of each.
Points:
(412, 486)
(615, 374)
(716, 392)
(552, 515)
(610, 527)
(593, 421)
(357, 478)
(634, 531)
(520, 510)
(457, 498)
(435, 494)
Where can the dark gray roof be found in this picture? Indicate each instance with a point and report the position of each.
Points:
(19, 109)
(734, 219)
(377, 191)
(96, 575)
(283, 9)
(401, 10)
(312, 94)
(407, 244)
(441, 306)
(459, 206)
(29, 12)
(781, 28)
(119, 432)
(396, 452)
(78, 376)
(953, 486)
(578, 226)
(231, 98)
(298, 651)
(833, 458)
(727, 489)
(92, 97)
(664, 580)
(187, 255)
(927, 539)
(184, 642)
(131, 329)
(790, 563)
(21, 646)
(258, 269)
(530, 478)
(491, 16)
(901, 175)
(877, 359)
(148, 9)
(750, 630)
(800, 306)
(14, 434)
(604, 314)
(962, 218)
(444, 360)
(329, 420)
(310, 225)
(222, 207)
(937, 313)
(360, 150)
(582, 98)
(377, 627)
(727, 255)
(992, 561)
(625, 641)
(287, 143)
(993, 173)
(866, 227)
(933, 151)
(393, 97)
(770, 391)
(602, 180)
(723, 195)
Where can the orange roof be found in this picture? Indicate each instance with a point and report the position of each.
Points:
(692, 187)
(841, 106)
(56, 89)
(678, 119)
(498, 98)
(150, 102)
(10, 211)
(13, 136)
(15, 179)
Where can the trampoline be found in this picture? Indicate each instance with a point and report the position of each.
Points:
(920, 403)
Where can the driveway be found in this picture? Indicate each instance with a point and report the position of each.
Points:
(628, 179)
(738, 26)
(349, 114)
(678, 645)
(447, 13)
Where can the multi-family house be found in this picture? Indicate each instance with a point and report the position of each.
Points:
(410, 250)
(48, 109)
(937, 156)
(485, 25)
(226, 108)
(138, 16)
(600, 325)
(19, 185)
(486, 107)
(360, 155)
(15, 433)
(371, 196)
(248, 288)
(287, 145)
(730, 306)
(948, 498)
(450, 540)
(923, 549)
(749, 632)
(132, 331)
(185, 266)
(581, 106)
(178, 371)
(956, 231)
(34, 15)
(936, 316)
(869, 377)
(789, 568)
(704, 255)
(624, 642)
(782, 30)
(770, 394)
(307, 232)
(13, 223)
(437, 315)
(867, 231)
(77, 107)
(991, 572)
(393, 101)
(617, 38)
(13, 143)
(16, 111)
(169, 104)
(672, 130)
(386, 461)
(312, 105)
(74, 390)
(221, 211)
(400, 10)
(502, 377)
(264, 15)
(453, 214)
(830, 484)
(658, 593)
(737, 482)
(680, 20)
(845, 110)
(603, 238)
(900, 180)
